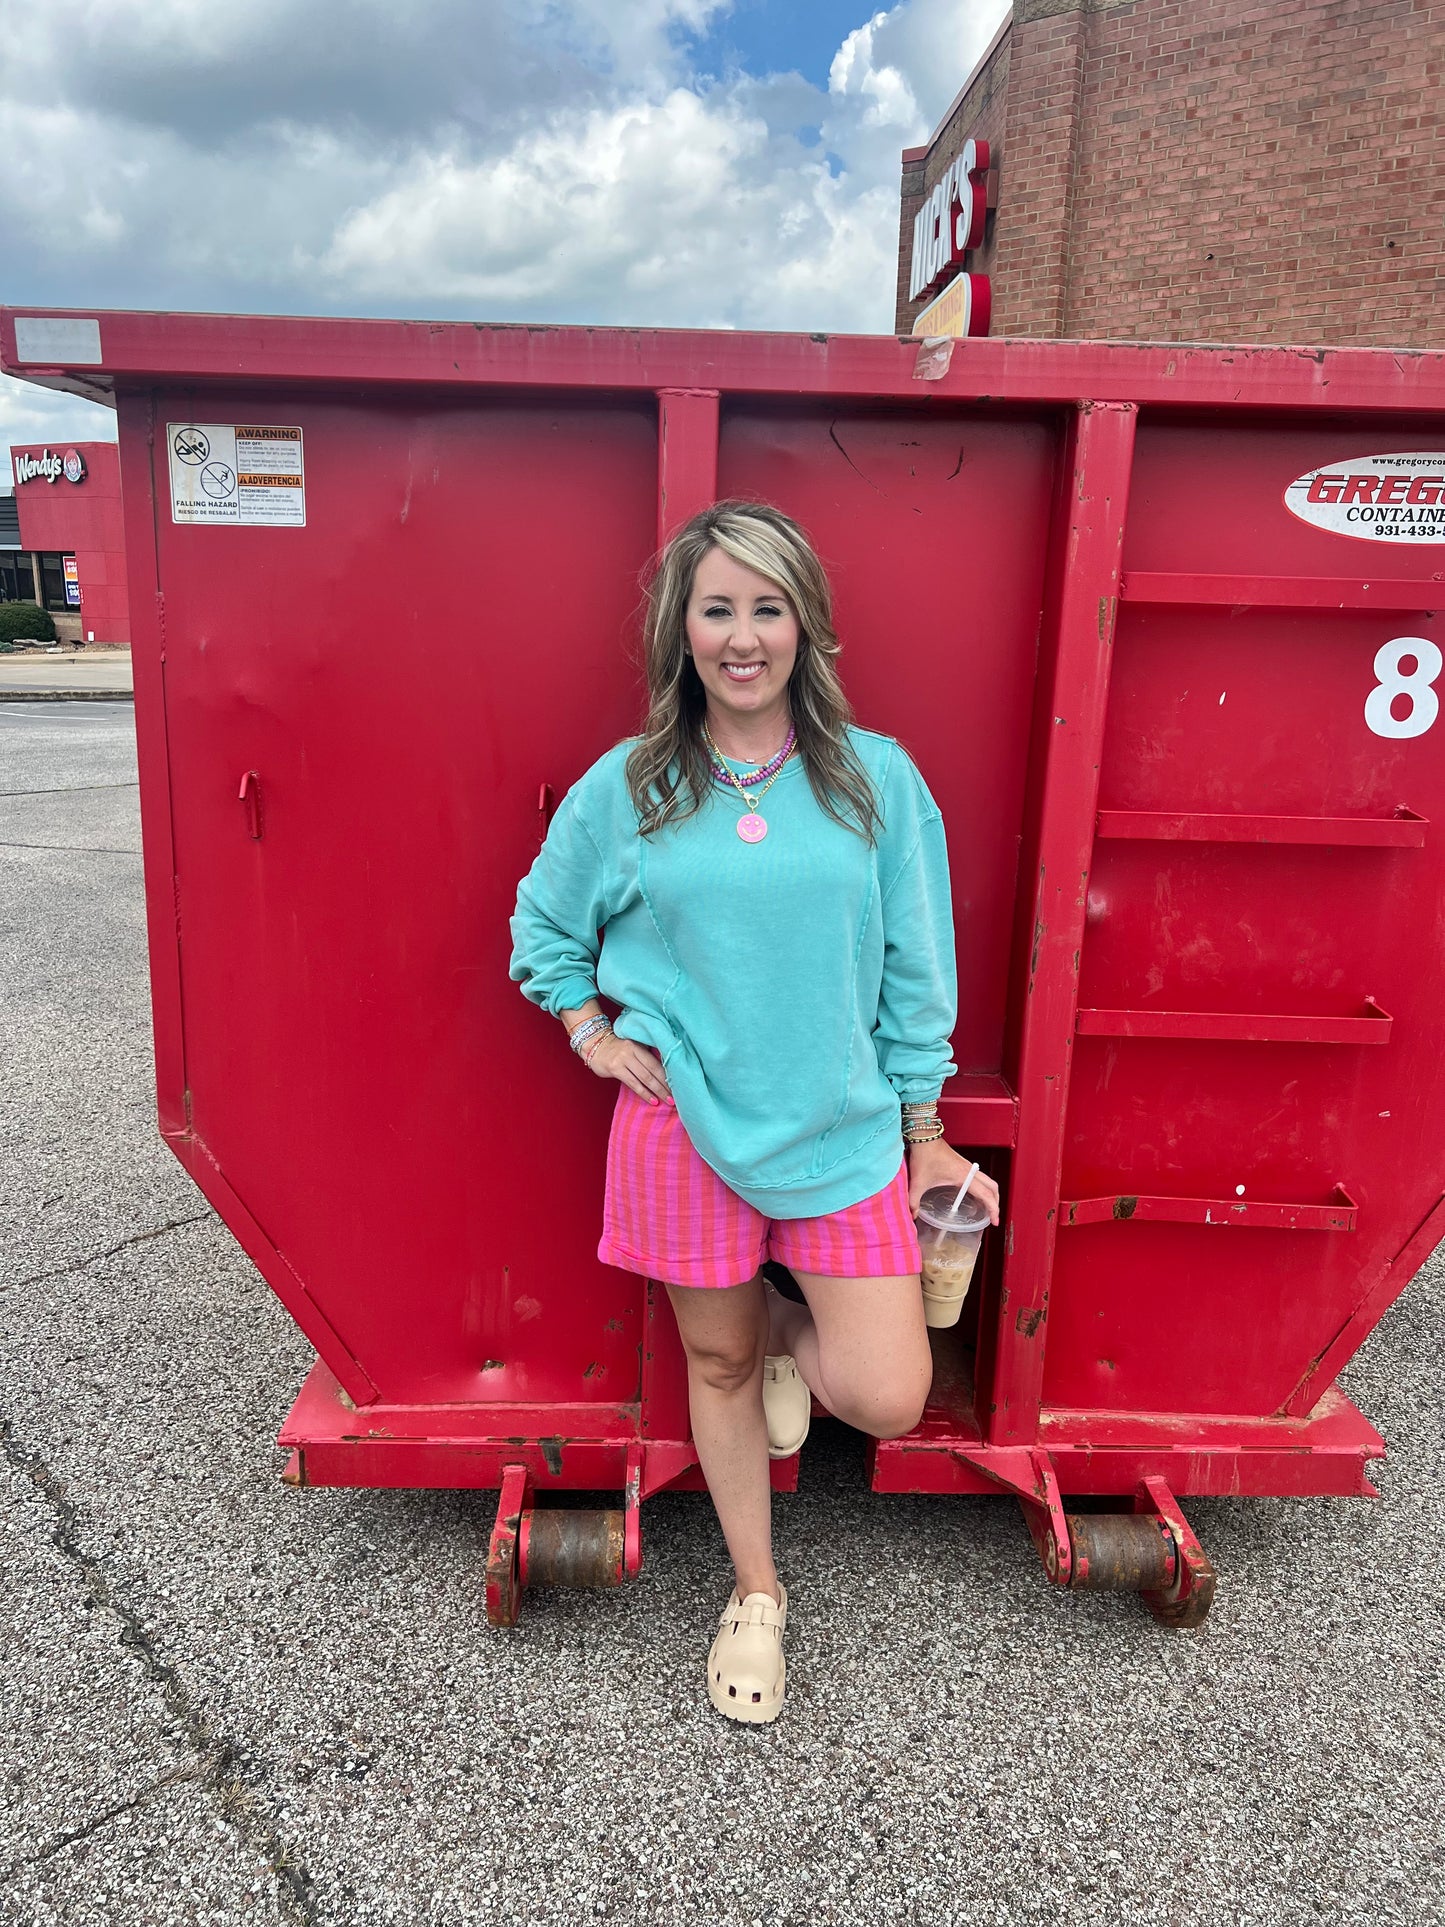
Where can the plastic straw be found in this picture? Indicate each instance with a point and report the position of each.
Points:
(972, 1174)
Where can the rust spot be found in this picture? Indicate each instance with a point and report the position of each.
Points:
(1028, 1322)
(1106, 616)
(592, 1370)
(491, 1364)
(613, 1325)
(1109, 1364)
(576, 1548)
(1125, 1208)
(552, 1453)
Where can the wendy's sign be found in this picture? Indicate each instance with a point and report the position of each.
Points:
(47, 466)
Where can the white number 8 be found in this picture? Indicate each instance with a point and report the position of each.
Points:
(1424, 703)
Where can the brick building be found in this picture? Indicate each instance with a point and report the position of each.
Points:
(1225, 170)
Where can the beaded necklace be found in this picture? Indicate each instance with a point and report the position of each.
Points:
(752, 828)
(723, 775)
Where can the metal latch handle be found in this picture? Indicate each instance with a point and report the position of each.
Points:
(250, 798)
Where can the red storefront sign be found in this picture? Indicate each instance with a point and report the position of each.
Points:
(47, 466)
(950, 222)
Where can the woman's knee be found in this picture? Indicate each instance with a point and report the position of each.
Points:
(726, 1365)
(884, 1408)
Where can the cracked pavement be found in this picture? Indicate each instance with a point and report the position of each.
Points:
(223, 1701)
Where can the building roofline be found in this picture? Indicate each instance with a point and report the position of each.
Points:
(912, 153)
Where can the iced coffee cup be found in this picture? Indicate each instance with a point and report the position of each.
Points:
(950, 1235)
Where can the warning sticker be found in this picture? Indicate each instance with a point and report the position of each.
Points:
(250, 475)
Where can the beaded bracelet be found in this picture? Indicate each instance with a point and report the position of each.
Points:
(597, 1027)
(921, 1122)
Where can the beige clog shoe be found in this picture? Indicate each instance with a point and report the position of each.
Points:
(788, 1405)
(746, 1671)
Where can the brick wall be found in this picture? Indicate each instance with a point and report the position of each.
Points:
(1216, 170)
(978, 115)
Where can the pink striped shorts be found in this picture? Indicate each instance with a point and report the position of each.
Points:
(669, 1216)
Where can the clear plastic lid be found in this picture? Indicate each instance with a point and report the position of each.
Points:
(937, 1210)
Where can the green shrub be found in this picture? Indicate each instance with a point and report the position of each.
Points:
(25, 622)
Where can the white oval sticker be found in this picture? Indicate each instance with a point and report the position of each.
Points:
(1397, 498)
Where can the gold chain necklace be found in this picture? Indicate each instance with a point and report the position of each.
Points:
(752, 828)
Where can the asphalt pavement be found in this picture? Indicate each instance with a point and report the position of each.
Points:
(225, 1701)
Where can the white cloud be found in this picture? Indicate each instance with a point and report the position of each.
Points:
(656, 211)
(678, 206)
(29, 414)
(513, 159)
(858, 74)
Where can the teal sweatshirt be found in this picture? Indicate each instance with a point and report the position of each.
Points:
(795, 989)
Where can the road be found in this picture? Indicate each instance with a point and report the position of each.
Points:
(229, 1702)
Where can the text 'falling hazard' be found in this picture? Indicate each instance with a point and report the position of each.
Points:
(245, 475)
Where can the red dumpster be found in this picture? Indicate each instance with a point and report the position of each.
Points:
(381, 578)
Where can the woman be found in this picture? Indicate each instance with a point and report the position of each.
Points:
(763, 889)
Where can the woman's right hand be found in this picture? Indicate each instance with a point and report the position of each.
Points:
(634, 1065)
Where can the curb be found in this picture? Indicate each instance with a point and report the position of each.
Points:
(67, 695)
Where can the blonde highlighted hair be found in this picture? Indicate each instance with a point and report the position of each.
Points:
(667, 771)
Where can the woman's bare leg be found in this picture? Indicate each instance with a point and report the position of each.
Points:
(861, 1346)
(724, 1334)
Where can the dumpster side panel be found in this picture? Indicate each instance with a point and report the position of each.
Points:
(1257, 1124)
(400, 678)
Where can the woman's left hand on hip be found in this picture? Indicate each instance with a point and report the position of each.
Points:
(939, 1163)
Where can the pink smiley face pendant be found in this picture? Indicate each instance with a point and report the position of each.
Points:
(752, 829)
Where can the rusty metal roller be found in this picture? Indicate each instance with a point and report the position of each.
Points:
(563, 1548)
(1120, 1552)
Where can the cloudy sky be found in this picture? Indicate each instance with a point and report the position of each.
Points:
(673, 162)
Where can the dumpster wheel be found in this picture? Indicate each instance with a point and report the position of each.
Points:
(551, 1546)
(1120, 1552)
(1151, 1551)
